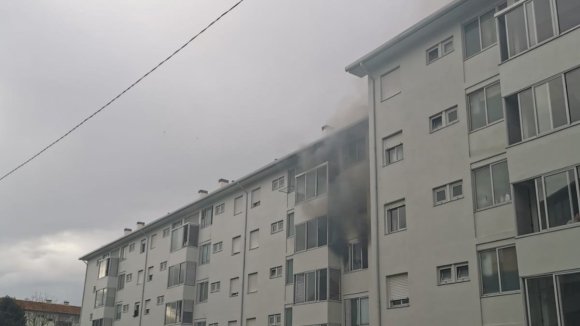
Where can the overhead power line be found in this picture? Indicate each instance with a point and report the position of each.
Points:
(121, 94)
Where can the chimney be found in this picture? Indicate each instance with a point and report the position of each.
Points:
(202, 193)
(127, 231)
(223, 182)
(48, 301)
(140, 225)
(66, 303)
(326, 130)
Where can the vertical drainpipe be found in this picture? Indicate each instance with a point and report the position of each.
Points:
(84, 289)
(142, 305)
(375, 213)
(243, 257)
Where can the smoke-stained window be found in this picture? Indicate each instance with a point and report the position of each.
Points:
(354, 152)
(357, 256)
(311, 234)
(312, 184)
(317, 285)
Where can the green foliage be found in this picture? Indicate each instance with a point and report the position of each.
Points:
(11, 314)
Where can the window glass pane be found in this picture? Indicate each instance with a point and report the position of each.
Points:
(399, 152)
(322, 231)
(356, 256)
(310, 286)
(544, 27)
(501, 183)
(558, 199)
(570, 298)
(542, 201)
(440, 195)
(574, 197)
(312, 234)
(542, 301)
(527, 112)
(477, 110)
(451, 116)
(456, 190)
(300, 237)
(393, 216)
(392, 155)
(488, 34)
(321, 181)
(472, 40)
(289, 271)
(436, 123)
(516, 26)
(354, 312)
(483, 188)
(364, 311)
(445, 274)
(543, 108)
(489, 277)
(462, 272)
(300, 188)
(568, 14)
(573, 90)
(402, 218)
(311, 184)
(433, 54)
(322, 284)
(290, 225)
(508, 264)
(558, 103)
(533, 35)
(448, 47)
(494, 103)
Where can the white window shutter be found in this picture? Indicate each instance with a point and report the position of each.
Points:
(299, 288)
(187, 312)
(113, 267)
(347, 313)
(256, 195)
(254, 239)
(251, 322)
(253, 282)
(110, 297)
(234, 286)
(334, 284)
(193, 235)
(392, 141)
(398, 287)
(236, 245)
(190, 273)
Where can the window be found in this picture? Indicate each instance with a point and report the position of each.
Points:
(233, 323)
(177, 274)
(357, 256)
(440, 50)
(160, 300)
(453, 273)
(121, 282)
(139, 277)
(291, 180)
(163, 266)
(544, 107)
(447, 193)
(215, 287)
(220, 208)
(153, 241)
(101, 298)
(485, 106)
(480, 33)
(545, 294)
(353, 152)
(150, 274)
(443, 119)
(184, 236)
(277, 227)
(533, 22)
(499, 270)
(137, 309)
(238, 205)
(357, 312)
(311, 184)
(546, 202)
(200, 323)
(132, 247)
(290, 225)
(492, 185)
(202, 291)
(396, 219)
(276, 272)
(278, 183)
(254, 239)
(166, 232)
(289, 271)
(393, 148)
(288, 316)
(317, 285)
(206, 217)
(125, 308)
(275, 320)
(234, 286)
(143, 246)
(251, 322)
(311, 234)
(173, 314)
(398, 290)
(124, 252)
(129, 277)
(217, 247)
(253, 283)
(236, 245)
(147, 306)
(97, 322)
(256, 194)
(390, 84)
(177, 224)
(204, 253)
(104, 267)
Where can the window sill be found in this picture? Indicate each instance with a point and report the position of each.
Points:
(447, 125)
(401, 306)
(493, 206)
(454, 282)
(356, 271)
(481, 51)
(390, 97)
(489, 124)
(554, 229)
(389, 164)
(235, 253)
(237, 213)
(254, 248)
(441, 56)
(448, 201)
(252, 292)
(314, 301)
(398, 231)
(305, 250)
(491, 295)
(574, 124)
(310, 199)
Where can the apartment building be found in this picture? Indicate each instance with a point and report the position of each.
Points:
(286, 244)
(475, 158)
(47, 313)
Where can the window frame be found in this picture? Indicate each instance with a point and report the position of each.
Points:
(316, 193)
(500, 291)
(454, 278)
(132, 247)
(204, 220)
(495, 8)
(215, 287)
(257, 203)
(401, 303)
(218, 247)
(254, 274)
(359, 310)
(474, 184)
(440, 47)
(444, 115)
(383, 98)
(250, 239)
(388, 218)
(387, 153)
(290, 226)
(166, 232)
(160, 300)
(306, 235)
(317, 286)
(277, 227)
(220, 209)
(163, 266)
(277, 322)
(277, 272)
(241, 198)
(486, 108)
(200, 291)
(278, 183)
(448, 188)
(205, 253)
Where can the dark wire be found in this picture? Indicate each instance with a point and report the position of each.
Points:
(128, 88)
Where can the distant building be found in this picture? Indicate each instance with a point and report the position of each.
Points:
(50, 314)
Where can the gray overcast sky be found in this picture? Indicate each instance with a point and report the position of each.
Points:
(255, 86)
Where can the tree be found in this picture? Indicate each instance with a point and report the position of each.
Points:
(11, 314)
(36, 318)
